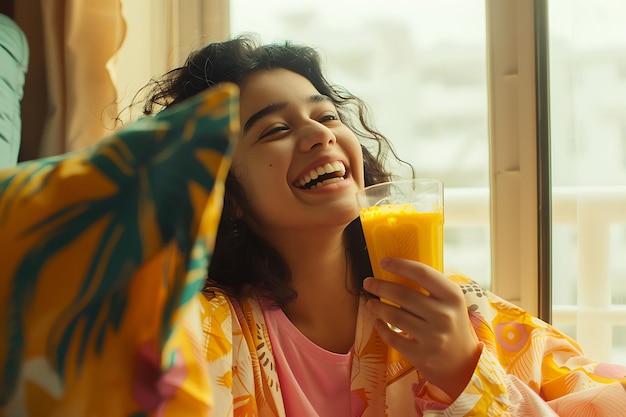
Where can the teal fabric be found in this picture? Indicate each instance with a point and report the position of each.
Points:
(13, 67)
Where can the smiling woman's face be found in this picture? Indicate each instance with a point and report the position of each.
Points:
(298, 164)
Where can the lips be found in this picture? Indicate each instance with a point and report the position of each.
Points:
(328, 173)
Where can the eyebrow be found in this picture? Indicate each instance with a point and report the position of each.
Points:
(274, 107)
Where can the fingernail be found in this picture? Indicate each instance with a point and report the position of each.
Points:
(367, 283)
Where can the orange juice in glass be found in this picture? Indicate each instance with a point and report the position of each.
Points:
(403, 219)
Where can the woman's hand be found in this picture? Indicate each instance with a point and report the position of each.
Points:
(438, 338)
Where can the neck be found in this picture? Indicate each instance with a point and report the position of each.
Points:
(326, 307)
(317, 259)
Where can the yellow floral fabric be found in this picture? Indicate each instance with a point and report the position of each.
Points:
(102, 254)
(527, 368)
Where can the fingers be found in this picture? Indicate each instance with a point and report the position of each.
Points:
(433, 281)
(433, 285)
(401, 296)
(402, 342)
(410, 308)
(397, 317)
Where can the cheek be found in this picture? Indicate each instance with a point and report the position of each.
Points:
(247, 166)
(259, 180)
(352, 147)
(357, 168)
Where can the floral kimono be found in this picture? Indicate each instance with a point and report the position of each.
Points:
(527, 368)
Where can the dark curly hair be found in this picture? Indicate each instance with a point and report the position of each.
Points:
(243, 262)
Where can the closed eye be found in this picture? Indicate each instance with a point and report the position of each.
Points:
(273, 131)
(328, 117)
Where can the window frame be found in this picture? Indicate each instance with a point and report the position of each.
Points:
(519, 153)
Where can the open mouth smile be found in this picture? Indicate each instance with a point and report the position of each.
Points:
(326, 174)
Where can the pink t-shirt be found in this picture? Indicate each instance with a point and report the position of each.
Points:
(314, 382)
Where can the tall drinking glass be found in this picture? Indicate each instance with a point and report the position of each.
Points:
(403, 219)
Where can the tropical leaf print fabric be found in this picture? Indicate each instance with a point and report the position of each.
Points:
(527, 368)
(102, 254)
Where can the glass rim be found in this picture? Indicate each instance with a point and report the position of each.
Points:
(403, 181)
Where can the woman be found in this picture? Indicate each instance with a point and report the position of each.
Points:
(293, 324)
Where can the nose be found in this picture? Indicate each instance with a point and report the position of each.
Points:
(315, 135)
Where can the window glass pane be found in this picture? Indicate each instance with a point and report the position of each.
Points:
(587, 86)
(619, 343)
(421, 67)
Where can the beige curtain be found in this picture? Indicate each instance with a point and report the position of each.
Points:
(89, 58)
(160, 36)
(80, 38)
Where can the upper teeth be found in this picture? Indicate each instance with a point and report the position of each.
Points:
(328, 168)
